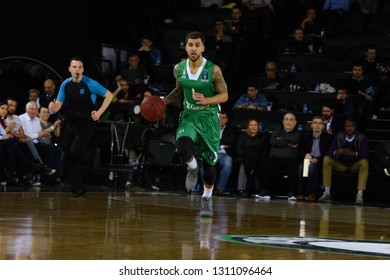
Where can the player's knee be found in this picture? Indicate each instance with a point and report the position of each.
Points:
(184, 148)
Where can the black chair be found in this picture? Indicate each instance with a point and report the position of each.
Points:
(158, 161)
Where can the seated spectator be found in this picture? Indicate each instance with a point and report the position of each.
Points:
(14, 126)
(153, 52)
(251, 148)
(49, 88)
(222, 43)
(271, 78)
(314, 147)
(122, 101)
(32, 128)
(310, 24)
(284, 146)
(238, 35)
(17, 162)
(34, 95)
(135, 73)
(347, 106)
(333, 124)
(56, 155)
(379, 72)
(298, 43)
(348, 152)
(252, 99)
(364, 91)
(226, 152)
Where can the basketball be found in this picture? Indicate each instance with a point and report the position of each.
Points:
(153, 108)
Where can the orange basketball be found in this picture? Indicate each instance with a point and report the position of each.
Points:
(153, 108)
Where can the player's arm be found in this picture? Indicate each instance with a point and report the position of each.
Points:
(220, 88)
(177, 92)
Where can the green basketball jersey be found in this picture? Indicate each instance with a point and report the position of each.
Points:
(200, 82)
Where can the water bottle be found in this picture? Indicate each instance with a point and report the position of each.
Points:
(3, 185)
(317, 89)
(260, 127)
(293, 67)
(305, 108)
(182, 45)
(320, 52)
(323, 32)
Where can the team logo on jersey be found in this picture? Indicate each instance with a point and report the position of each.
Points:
(213, 156)
(183, 74)
(82, 91)
(205, 76)
(335, 245)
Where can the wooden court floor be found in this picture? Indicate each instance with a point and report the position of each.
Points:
(167, 226)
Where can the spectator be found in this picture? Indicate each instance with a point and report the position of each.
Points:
(251, 149)
(347, 106)
(153, 52)
(226, 152)
(310, 24)
(314, 147)
(32, 128)
(135, 73)
(348, 153)
(49, 88)
(271, 78)
(34, 95)
(333, 124)
(122, 100)
(298, 43)
(17, 161)
(364, 91)
(285, 143)
(222, 43)
(238, 35)
(55, 155)
(252, 99)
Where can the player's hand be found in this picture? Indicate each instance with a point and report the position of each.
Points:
(200, 98)
(95, 115)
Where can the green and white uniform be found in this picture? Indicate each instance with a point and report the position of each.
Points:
(197, 121)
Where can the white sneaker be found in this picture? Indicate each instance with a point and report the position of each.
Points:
(192, 178)
(374, 117)
(260, 197)
(387, 171)
(359, 199)
(325, 197)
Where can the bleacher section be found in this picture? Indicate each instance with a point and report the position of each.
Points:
(329, 67)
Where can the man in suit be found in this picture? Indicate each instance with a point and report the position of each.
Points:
(314, 147)
(332, 124)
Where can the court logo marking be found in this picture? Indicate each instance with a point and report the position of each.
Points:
(340, 245)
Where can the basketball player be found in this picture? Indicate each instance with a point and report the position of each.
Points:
(202, 84)
(80, 93)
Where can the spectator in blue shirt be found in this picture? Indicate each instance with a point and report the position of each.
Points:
(252, 99)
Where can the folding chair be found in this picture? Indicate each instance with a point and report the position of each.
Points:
(120, 169)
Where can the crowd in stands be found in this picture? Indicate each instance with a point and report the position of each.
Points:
(247, 40)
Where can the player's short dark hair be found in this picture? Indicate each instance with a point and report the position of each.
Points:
(195, 35)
